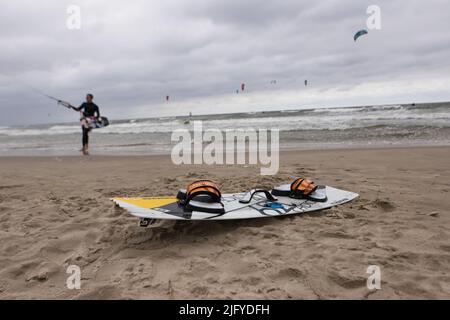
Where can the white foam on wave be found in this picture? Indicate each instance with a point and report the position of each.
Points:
(338, 110)
(54, 130)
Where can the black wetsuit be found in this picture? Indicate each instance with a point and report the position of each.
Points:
(89, 109)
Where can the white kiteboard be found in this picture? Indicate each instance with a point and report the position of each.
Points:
(167, 208)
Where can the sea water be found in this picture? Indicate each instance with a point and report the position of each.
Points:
(318, 128)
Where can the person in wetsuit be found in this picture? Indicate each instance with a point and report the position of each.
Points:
(89, 110)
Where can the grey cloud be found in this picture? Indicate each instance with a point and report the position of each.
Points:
(133, 54)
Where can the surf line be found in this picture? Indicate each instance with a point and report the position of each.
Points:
(230, 147)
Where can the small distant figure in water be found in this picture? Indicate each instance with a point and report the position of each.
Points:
(167, 98)
(187, 121)
(90, 111)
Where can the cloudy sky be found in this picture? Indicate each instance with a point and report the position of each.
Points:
(131, 54)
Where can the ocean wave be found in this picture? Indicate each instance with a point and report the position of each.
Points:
(311, 119)
(387, 107)
(338, 110)
(284, 111)
(56, 130)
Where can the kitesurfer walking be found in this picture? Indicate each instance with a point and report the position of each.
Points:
(90, 111)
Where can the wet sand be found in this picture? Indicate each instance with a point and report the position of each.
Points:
(56, 212)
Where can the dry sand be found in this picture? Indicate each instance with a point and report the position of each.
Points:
(55, 211)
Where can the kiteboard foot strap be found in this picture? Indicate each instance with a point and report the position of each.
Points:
(202, 196)
(249, 195)
(301, 188)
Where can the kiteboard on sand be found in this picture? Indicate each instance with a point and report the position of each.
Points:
(169, 208)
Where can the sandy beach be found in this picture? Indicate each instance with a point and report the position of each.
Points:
(55, 212)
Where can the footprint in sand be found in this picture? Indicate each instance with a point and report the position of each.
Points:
(347, 282)
(338, 235)
(200, 291)
(43, 272)
(102, 293)
(20, 269)
(291, 273)
(384, 205)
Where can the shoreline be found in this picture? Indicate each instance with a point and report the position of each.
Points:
(286, 150)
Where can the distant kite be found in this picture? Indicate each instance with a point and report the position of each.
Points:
(359, 34)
